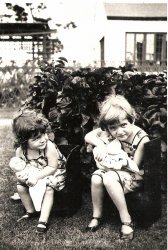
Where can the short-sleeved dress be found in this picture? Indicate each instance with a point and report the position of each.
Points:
(57, 180)
(130, 181)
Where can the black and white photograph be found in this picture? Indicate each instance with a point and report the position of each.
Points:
(79, 78)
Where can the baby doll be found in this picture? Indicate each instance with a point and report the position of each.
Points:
(116, 159)
(23, 171)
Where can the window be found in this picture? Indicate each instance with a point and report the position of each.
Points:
(146, 47)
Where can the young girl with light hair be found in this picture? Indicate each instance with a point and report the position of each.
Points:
(116, 122)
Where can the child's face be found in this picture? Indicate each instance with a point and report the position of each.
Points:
(122, 130)
(39, 142)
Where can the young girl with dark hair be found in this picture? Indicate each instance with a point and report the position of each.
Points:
(30, 129)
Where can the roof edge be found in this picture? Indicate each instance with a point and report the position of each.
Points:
(137, 18)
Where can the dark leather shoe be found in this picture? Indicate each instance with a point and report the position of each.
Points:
(29, 216)
(93, 228)
(129, 236)
(42, 229)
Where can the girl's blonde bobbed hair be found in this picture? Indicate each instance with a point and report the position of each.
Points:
(114, 109)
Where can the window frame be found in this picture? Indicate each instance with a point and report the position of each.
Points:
(163, 55)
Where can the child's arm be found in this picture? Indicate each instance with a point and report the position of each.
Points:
(19, 152)
(94, 139)
(139, 153)
(22, 175)
(52, 156)
(131, 166)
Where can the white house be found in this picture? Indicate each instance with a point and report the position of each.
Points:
(135, 33)
(113, 34)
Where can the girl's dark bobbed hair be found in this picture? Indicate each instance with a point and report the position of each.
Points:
(28, 124)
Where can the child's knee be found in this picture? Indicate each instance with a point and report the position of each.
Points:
(109, 178)
(49, 190)
(22, 189)
(96, 180)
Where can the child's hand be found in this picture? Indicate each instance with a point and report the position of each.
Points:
(99, 152)
(22, 176)
(54, 181)
(32, 180)
(28, 165)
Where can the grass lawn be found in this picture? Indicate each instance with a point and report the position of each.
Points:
(64, 232)
(7, 113)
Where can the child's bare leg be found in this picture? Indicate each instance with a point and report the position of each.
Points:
(115, 190)
(47, 204)
(97, 198)
(25, 198)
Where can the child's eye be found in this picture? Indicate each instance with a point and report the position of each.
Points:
(123, 125)
(112, 127)
(37, 137)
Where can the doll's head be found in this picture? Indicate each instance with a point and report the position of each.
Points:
(17, 164)
(114, 148)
